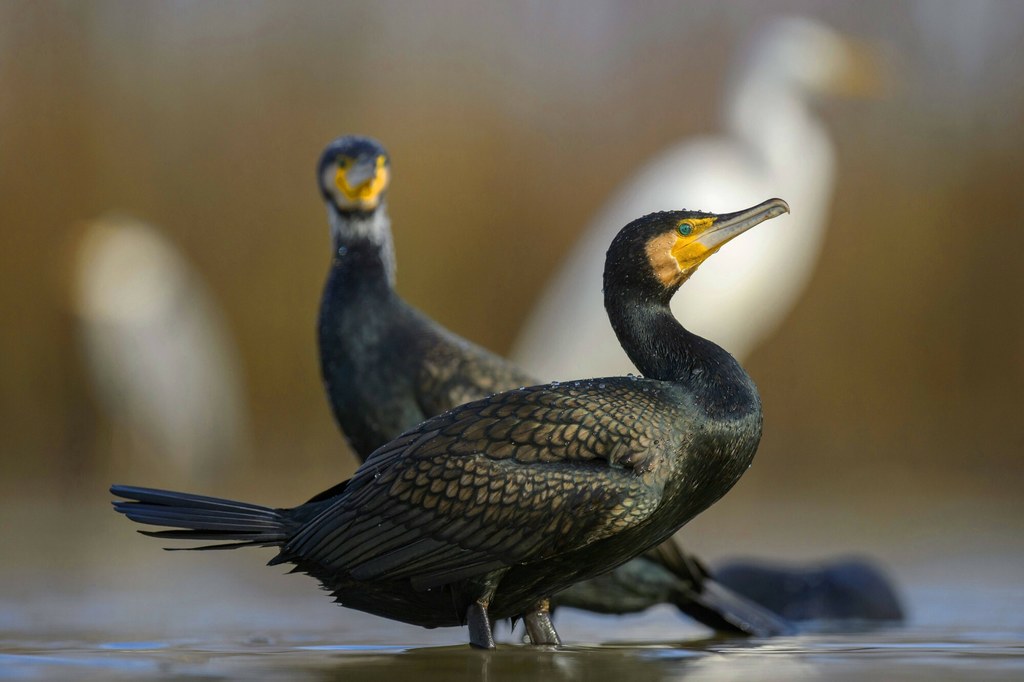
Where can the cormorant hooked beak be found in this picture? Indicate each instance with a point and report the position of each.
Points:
(728, 226)
(701, 235)
(360, 173)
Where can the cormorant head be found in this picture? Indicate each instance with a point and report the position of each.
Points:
(354, 173)
(654, 255)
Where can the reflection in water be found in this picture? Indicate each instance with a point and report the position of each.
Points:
(922, 654)
(545, 663)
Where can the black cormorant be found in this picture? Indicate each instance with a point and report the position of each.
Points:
(386, 367)
(488, 509)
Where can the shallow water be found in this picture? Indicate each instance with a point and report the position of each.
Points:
(252, 625)
(83, 597)
(887, 654)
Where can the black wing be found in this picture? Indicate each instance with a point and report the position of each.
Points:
(455, 371)
(513, 478)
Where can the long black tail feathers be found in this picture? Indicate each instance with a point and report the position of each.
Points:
(197, 517)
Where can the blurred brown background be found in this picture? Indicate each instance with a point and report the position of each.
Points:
(893, 393)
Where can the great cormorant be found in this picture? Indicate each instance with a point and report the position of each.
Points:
(488, 509)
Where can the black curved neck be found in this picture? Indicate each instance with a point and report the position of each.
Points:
(357, 265)
(362, 249)
(661, 348)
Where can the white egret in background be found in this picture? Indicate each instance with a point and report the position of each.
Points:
(163, 366)
(773, 145)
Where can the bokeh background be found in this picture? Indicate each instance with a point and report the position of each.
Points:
(893, 392)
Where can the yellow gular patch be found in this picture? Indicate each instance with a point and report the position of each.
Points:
(367, 194)
(687, 250)
(663, 263)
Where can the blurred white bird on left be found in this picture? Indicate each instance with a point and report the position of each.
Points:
(161, 362)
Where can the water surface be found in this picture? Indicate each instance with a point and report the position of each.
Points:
(83, 597)
(888, 654)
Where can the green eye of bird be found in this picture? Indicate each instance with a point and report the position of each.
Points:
(685, 229)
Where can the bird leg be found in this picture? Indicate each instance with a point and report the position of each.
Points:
(481, 629)
(480, 633)
(539, 625)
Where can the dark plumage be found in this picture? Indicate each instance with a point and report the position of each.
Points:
(486, 510)
(386, 367)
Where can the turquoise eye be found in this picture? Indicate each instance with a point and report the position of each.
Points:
(685, 229)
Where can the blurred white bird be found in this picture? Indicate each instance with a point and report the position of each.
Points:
(774, 146)
(162, 364)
